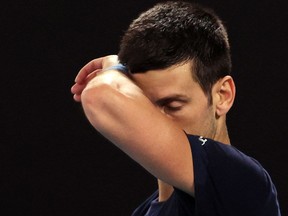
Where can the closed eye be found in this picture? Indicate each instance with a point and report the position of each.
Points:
(172, 103)
(173, 106)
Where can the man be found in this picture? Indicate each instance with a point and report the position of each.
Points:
(166, 109)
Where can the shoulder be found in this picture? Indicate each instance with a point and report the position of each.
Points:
(229, 178)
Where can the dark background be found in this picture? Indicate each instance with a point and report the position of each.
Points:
(52, 162)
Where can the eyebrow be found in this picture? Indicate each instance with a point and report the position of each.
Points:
(174, 97)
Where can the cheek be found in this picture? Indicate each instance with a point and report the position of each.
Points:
(198, 122)
(188, 121)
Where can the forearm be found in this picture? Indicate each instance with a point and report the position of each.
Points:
(119, 110)
(109, 101)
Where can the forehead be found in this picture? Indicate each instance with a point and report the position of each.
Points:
(175, 80)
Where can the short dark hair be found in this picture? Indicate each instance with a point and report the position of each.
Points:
(175, 32)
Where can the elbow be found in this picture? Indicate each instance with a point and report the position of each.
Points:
(95, 102)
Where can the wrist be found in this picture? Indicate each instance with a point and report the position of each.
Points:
(119, 67)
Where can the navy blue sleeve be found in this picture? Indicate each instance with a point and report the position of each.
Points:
(228, 182)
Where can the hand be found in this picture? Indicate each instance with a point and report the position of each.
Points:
(89, 71)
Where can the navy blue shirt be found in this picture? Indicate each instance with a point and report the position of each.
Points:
(227, 183)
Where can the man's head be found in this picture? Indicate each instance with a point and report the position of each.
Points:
(177, 32)
(179, 55)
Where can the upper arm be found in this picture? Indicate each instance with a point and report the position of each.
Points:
(124, 115)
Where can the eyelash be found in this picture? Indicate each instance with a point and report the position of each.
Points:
(172, 108)
(171, 105)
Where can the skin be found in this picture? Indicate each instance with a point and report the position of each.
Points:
(176, 94)
(166, 102)
(180, 98)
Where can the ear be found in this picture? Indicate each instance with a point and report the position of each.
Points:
(224, 94)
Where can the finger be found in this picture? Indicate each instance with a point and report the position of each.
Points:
(92, 75)
(77, 88)
(77, 97)
(109, 61)
(88, 68)
(96, 64)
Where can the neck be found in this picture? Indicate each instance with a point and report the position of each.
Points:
(165, 191)
(221, 135)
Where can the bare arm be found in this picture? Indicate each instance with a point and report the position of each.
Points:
(119, 110)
